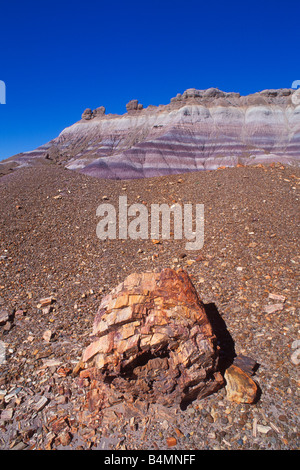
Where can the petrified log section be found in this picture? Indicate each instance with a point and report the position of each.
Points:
(152, 339)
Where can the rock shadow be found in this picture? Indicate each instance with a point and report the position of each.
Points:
(224, 339)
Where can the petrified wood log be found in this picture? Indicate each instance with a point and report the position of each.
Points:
(152, 339)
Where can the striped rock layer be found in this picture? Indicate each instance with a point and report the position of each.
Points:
(151, 338)
(198, 130)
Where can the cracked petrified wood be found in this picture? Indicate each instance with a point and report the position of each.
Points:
(152, 339)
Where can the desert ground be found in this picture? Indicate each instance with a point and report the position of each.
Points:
(247, 272)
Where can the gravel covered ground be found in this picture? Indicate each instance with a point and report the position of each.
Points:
(49, 248)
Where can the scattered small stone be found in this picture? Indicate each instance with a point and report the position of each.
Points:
(263, 429)
(209, 418)
(43, 401)
(4, 316)
(246, 363)
(275, 428)
(254, 427)
(11, 395)
(2, 352)
(45, 302)
(64, 371)
(49, 440)
(19, 313)
(61, 400)
(47, 335)
(7, 414)
(278, 297)
(224, 420)
(79, 366)
(252, 245)
(8, 326)
(273, 308)
(189, 262)
(59, 424)
(295, 357)
(171, 441)
(179, 433)
(295, 344)
(65, 438)
(51, 363)
(165, 424)
(19, 446)
(46, 310)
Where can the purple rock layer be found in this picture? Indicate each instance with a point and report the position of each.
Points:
(198, 130)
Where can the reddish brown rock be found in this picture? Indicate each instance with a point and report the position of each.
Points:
(171, 441)
(65, 438)
(47, 335)
(45, 302)
(240, 387)
(152, 339)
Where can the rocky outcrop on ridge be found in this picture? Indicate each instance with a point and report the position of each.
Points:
(197, 130)
(134, 105)
(89, 114)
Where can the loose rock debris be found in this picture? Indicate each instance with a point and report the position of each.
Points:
(40, 258)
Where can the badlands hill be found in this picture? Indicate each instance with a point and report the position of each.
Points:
(197, 130)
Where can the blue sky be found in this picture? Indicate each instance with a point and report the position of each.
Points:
(60, 57)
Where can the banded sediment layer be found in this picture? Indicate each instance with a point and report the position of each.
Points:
(197, 130)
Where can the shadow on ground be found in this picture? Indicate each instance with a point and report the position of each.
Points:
(224, 339)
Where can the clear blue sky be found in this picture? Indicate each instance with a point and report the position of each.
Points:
(60, 57)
